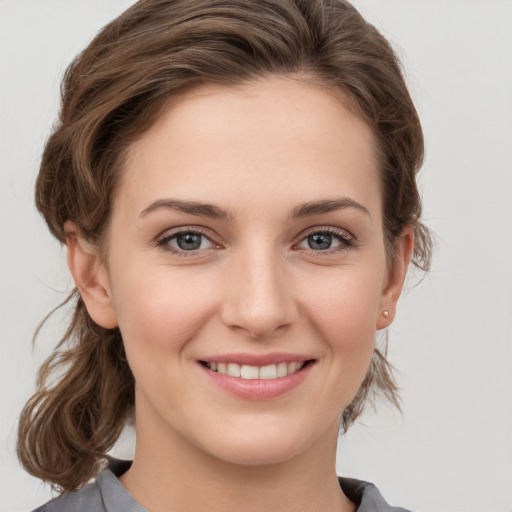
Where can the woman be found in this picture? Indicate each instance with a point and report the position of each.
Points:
(235, 184)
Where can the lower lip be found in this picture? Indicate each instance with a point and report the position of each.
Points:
(258, 389)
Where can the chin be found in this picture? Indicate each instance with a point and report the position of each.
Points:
(256, 454)
(263, 445)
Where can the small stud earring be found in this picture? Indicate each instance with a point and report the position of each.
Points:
(385, 313)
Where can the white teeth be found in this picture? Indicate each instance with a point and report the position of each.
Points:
(282, 369)
(250, 372)
(292, 367)
(271, 371)
(233, 370)
(268, 372)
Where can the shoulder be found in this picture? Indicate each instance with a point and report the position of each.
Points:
(105, 494)
(87, 499)
(366, 496)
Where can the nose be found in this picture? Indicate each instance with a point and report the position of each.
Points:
(258, 295)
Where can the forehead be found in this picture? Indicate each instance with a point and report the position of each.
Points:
(275, 137)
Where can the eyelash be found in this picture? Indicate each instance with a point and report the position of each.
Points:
(346, 241)
(162, 243)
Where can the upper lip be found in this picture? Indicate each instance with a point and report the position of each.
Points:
(256, 359)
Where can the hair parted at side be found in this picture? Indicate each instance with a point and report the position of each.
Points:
(111, 94)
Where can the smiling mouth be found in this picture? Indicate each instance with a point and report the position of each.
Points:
(248, 372)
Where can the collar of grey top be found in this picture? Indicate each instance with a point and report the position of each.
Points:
(107, 494)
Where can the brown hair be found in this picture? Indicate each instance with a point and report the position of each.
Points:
(111, 94)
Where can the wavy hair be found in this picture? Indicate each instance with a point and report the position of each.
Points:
(111, 94)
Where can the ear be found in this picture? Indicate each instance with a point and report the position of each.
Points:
(90, 276)
(396, 275)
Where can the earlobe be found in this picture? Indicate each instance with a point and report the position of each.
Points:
(396, 276)
(90, 276)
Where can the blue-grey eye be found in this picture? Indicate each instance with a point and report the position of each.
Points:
(189, 241)
(326, 240)
(320, 241)
(185, 241)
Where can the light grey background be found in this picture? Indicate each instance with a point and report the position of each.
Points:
(451, 451)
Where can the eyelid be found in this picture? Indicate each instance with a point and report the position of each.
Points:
(347, 240)
(162, 239)
(347, 235)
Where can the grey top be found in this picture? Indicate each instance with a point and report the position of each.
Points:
(106, 494)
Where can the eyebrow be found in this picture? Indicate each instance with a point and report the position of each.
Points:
(191, 207)
(303, 210)
(325, 206)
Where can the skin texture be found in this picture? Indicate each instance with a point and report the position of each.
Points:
(255, 285)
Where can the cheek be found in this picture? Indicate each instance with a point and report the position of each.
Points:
(340, 308)
(159, 311)
(345, 306)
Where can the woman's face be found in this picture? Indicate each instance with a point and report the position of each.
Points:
(246, 237)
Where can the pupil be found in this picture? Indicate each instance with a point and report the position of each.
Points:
(190, 241)
(320, 241)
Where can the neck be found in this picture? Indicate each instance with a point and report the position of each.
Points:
(176, 475)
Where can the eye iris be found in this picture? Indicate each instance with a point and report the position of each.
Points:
(189, 241)
(320, 241)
